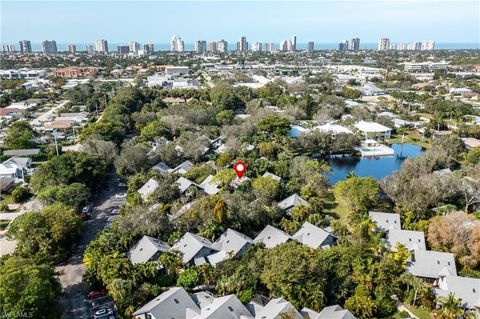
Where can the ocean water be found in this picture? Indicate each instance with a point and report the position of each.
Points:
(233, 46)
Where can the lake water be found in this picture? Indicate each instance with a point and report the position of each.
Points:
(376, 167)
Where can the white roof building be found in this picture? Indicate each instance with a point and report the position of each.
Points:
(385, 221)
(194, 248)
(373, 130)
(313, 236)
(431, 264)
(148, 188)
(465, 288)
(271, 237)
(412, 240)
(147, 249)
(333, 129)
(292, 201)
(230, 244)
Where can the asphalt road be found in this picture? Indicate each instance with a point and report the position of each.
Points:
(74, 291)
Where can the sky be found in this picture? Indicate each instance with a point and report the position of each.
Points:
(320, 21)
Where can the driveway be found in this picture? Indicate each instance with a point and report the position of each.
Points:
(74, 290)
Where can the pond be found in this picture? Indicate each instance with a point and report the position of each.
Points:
(376, 167)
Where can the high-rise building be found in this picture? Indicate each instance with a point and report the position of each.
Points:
(428, 45)
(384, 44)
(269, 47)
(49, 47)
(311, 46)
(397, 46)
(294, 43)
(222, 46)
(89, 48)
(149, 48)
(8, 48)
(242, 45)
(355, 44)
(200, 46)
(212, 46)
(134, 47)
(72, 48)
(256, 47)
(343, 45)
(177, 45)
(284, 45)
(101, 46)
(123, 49)
(25, 46)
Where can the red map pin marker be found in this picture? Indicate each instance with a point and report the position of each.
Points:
(240, 168)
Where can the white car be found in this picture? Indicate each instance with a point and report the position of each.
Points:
(121, 195)
(111, 218)
(103, 313)
(115, 211)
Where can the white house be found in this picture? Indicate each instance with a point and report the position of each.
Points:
(372, 130)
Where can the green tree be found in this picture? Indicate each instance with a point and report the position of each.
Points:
(72, 195)
(266, 187)
(356, 192)
(450, 307)
(20, 194)
(29, 288)
(19, 135)
(103, 130)
(273, 125)
(188, 279)
(224, 98)
(154, 130)
(473, 156)
(361, 303)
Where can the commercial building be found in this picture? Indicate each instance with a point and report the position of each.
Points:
(25, 46)
(134, 47)
(75, 71)
(101, 46)
(176, 44)
(343, 46)
(242, 45)
(176, 70)
(355, 44)
(384, 44)
(257, 47)
(49, 46)
(311, 46)
(123, 49)
(200, 46)
(72, 48)
(22, 74)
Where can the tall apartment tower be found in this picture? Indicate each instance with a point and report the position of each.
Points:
(49, 47)
(222, 46)
(177, 44)
(72, 48)
(123, 49)
(355, 44)
(25, 46)
(242, 45)
(101, 46)
(257, 47)
(134, 47)
(8, 48)
(311, 46)
(294, 43)
(384, 44)
(428, 45)
(200, 46)
(149, 48)
(212, 46)
(343, 45)
(269, 47)
(89, 48)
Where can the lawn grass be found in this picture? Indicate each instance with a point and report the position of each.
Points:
(420, 312)
(336, 210)
(410, 140)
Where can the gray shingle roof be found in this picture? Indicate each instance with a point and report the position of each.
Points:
(171, 304)
(275, 308)
(193, 246)
(211, 188)
(313, 236)
(271, 237)
(431, 264)
(226, 307)
(230, 244)
(413, 240)
(146, 248)
(184, 184)
(335, 312)
(148, 188)
(292, 201)
(465, 288)
(386, 221)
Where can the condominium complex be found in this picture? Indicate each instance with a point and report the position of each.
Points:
(310, 46)
(242, 45)
(384, 44)
(101, 46)
(257, 47)
(343, 45)
(200, 46)
(148, 48)
(355, 44)
(269, 47)
(49, 46)
(25, 46)
(134, 47)
(72, 48)
(123, 49)
(8, 48)
(176, 44)
(294, 43)
(89, 48)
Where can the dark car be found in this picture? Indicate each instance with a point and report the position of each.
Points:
(96, 294)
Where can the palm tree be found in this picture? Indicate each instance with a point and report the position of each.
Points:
(450, 307)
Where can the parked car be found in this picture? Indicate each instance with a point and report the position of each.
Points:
(115, 211)
(111, 218)
(84, 216)
(103, 302)
(103, 313)
(96, 294)
(87, 209)
(121, 195)
(122, 185)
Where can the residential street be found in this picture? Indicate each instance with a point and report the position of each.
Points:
(73, 299)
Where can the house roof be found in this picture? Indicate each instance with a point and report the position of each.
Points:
(431, 264)
(465, 288)
(232, 241)
(171, 304)
(184, 184)
(190, 244)
(413, 240)
(211, 188)
(162, 167)
(385, 221)
(311, 235)
(225, 307)
(292, 201)
(183, 168)
(148, 188)
(333, 128)
(275, 308)
(25, 152)
(371, 127)
(271, 237)
(145, 249)
(335, 312)
(272, 176)
(203, 298)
